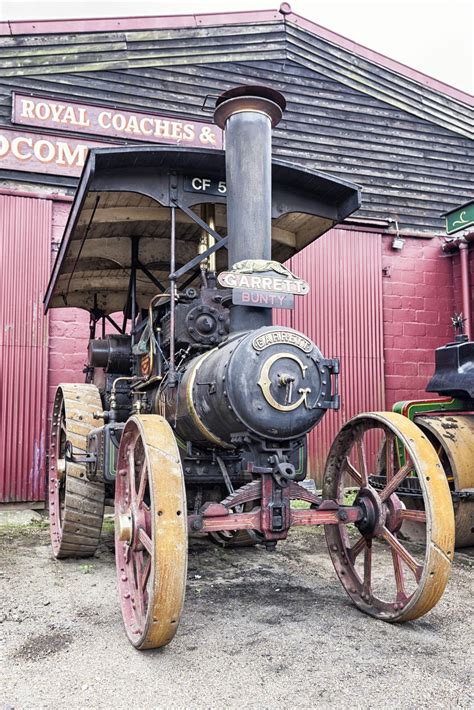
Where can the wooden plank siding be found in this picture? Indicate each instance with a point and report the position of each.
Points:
(406, 144)
(370, 78)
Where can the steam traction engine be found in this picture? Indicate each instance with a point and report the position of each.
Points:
(196, 409)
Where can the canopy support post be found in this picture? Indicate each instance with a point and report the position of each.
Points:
(172, 369)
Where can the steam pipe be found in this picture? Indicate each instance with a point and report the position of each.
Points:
(248, 114)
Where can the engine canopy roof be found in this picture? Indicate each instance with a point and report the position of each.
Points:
(127, 192)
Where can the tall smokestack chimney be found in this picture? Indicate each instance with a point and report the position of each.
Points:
(248, 114)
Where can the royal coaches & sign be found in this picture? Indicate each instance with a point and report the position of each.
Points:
(52, 153)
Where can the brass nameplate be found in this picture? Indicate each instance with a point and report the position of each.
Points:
(282, 337)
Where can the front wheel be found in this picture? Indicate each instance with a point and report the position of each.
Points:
(150, 531)
(384, 576)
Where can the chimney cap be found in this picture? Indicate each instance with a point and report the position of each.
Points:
(254, 90)
(261, 99)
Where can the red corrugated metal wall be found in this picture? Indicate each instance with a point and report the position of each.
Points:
(25, 247)
(343, 315)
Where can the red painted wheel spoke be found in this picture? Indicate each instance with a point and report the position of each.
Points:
(403, 553)
(146, 573)
(138, 597)
(392, 486)
(417, 516)
(353, 473)
(356, 549)
(143, 482)
(145, 539)
(367, 567)
(362, 459)
(399, 577)
(131, 477)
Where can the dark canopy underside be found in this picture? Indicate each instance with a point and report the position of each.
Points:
(126, 193)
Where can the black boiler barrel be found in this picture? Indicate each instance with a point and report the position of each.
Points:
(248, 114)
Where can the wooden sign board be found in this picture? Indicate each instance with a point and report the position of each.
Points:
(72, 116)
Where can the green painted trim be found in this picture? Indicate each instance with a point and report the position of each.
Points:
(460, 218)
(411, 409)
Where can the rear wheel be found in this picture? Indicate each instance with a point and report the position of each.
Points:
(453, 438)
(384, 576)
(150, 531)
(76, 505)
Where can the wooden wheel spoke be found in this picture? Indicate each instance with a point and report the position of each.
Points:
(403, 553)
(417, 516)
(362, 459)
(353, 472)
(399, 577)
(367, 568)
(146, 573)
(146, 541)
(392, 486)
(131, 477)
(138, 574)
(355, 550)
(143, 482)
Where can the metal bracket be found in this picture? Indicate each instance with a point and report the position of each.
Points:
(333, 401)
(82, 458)
(200, 257)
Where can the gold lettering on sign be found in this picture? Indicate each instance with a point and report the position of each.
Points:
(40, 111)
(43, 154)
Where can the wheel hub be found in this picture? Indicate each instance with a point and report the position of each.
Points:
(60, 469)
(125, 526)
(394, 508)
(373, 512)
(130, 522)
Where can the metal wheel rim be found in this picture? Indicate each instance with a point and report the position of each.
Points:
(432, 572)
(56, 485)
(150, 549)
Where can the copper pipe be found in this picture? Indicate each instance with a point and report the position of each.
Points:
(465, 287)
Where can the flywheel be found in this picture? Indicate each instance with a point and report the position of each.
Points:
(150, 531)
(76, 505)
(384, 575)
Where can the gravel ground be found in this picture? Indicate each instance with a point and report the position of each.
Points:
(259, 630)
